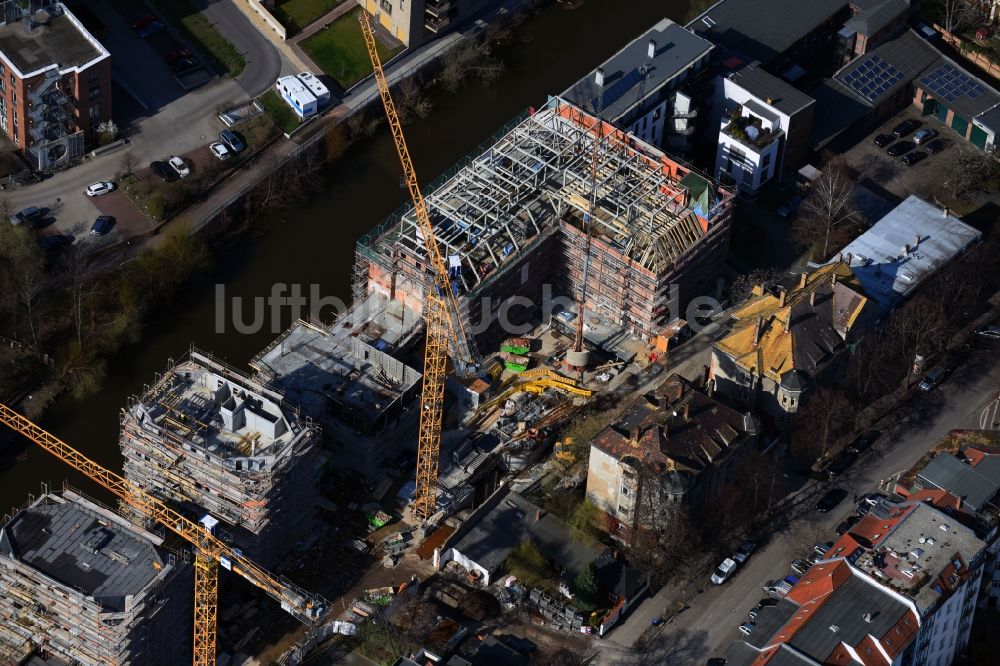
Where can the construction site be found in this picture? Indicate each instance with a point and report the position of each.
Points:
(208, 439)
(84, 586)
(514, 216)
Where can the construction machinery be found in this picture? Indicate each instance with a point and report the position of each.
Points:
(442, 318)
(210, 552)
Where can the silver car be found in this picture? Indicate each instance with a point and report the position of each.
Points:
(924, 135)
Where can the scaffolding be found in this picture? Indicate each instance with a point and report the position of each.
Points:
(77, 580)
(494, 211)
(209, 439)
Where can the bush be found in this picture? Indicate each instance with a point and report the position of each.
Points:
(587, 589)
(528, 564)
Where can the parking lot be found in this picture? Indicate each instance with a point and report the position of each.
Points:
(923, 178)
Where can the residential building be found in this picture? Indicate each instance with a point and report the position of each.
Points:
(679, 446)
(906, 70)
(647, 87)
(764, 128)
(787, 37)
(898, 253)
(899, 589)
(78, 582)
(659, 235)
(962, 479)
(414, 22)
(872, 22)
(55, 83)
(781, 340)
(209, 440)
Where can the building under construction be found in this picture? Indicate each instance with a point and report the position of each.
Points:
(341, 375)
(513, 217)
(208, 439)
(79, 583)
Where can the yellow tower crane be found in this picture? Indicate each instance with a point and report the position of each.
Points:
(210, 551)
(442, 317)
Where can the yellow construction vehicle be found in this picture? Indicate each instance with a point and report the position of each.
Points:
(563, 451)
(210, 552)
(442, 318)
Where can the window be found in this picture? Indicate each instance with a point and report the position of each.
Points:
(95, 92)
(767, 159)
(94, 74)
(625, 490)
(656, 114)
(386, 6)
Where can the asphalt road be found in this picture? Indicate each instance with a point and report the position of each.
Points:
(706, 628)
(263, 60)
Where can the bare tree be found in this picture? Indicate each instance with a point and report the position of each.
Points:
(356, 124)
(469, 58)
(954, 13)
(827, 214)
(24, 266)
(825, 417)
(967, 170)
(127, 163)
(413, 102)
(76, 267)
(743, 285)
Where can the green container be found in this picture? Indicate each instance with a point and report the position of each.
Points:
(515, 367)
(517, 351)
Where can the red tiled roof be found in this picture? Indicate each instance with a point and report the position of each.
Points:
(942, 499)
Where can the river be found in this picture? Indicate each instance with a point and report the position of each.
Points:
(314, 242)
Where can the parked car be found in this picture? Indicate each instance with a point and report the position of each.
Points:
(232, 140)
(822, 548)
(932, 378)
(777, 589)
(181, 167)
(924, 135)
(654, 369)
(883, 140)
(905, 127)
(790, 207)
(99, 188)
(899, 148)
(220, 150)
(864, 441)
(912, 158)
(102, 225)
(840, 463)
(149, 29)
(724, 572)
(991, 332)
(936, 146)
(179, 54)
(183, 65)
(800, 566)
(847, 523)
(163, 170)
(716, 661)
(29, 214)
(747, 628)
(745, 551)
(831, 499)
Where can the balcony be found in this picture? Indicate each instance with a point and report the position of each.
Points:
(436, 23)
(749, 131)
(438, 9)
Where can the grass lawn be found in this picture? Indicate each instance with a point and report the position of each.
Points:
(280, 112)
(195, 27)
(297, 14)
(340, 50)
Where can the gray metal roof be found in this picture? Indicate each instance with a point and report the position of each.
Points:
(763, 29)
(512, 521)
(676, 49)
(879, 259)
(765, 86)
(76, 545)
(875, 15)
(842, 619)
(947, 472)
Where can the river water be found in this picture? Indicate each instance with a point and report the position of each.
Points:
(313, 244)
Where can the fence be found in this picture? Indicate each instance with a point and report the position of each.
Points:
(968, 50)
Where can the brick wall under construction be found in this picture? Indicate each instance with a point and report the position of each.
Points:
(77, 581)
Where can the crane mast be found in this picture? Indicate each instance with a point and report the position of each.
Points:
(210, 551)
(442, 317)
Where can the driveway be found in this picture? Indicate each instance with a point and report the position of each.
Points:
(708, 625)
(264, 63)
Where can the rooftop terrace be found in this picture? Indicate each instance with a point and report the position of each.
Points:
(58, 40)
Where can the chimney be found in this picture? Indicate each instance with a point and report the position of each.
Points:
(812, 298)
(599, 77)
(850, 257)
(867, 617)
(802, 281)
(906, 250)
(916, 241)
(840, 257)
(781, 297)
(833, 278)
(944, 212)
(686, 413)
(651, 49)
(538, 515)
(635, 434)
(757, 330)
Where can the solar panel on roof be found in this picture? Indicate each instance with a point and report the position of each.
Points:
(950, 83)
(873, 77)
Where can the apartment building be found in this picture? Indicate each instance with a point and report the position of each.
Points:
(414, 22)
(55, 83)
